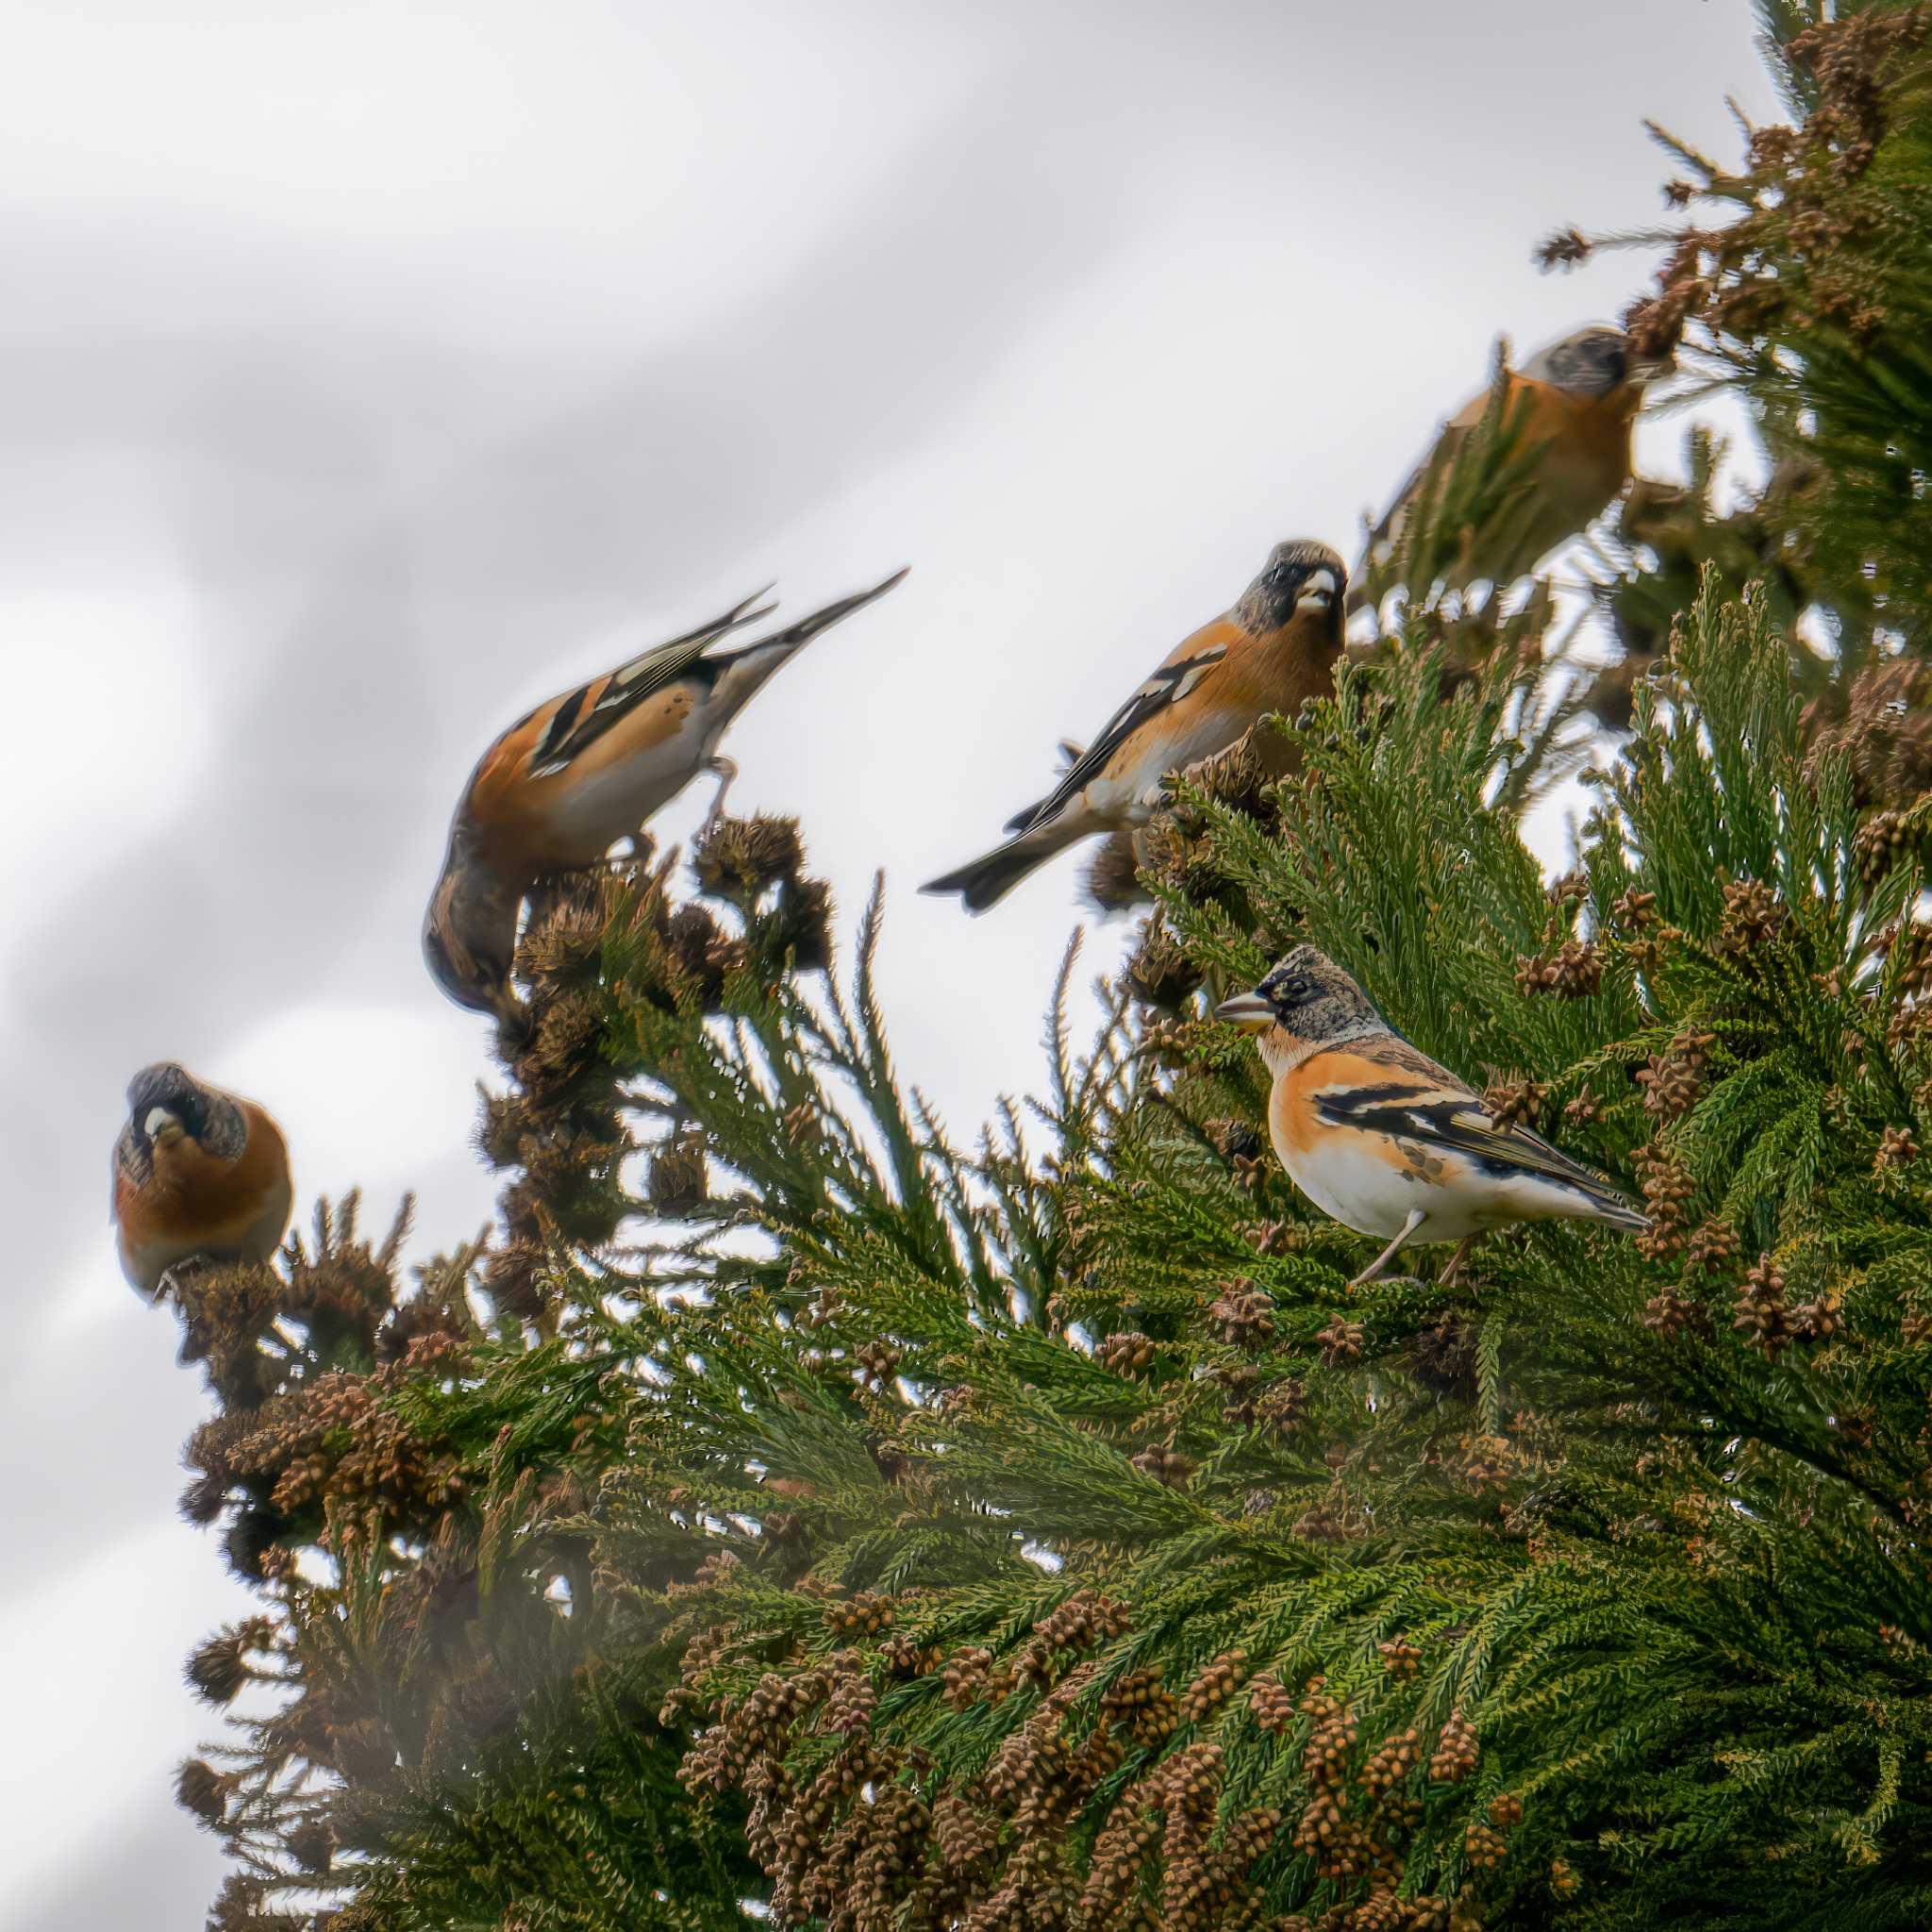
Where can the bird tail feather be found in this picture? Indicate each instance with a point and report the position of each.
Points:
(751, 664)
(1614, 1211)
(990, 878)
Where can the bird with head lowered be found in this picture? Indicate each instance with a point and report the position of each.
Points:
(587, 768)
(1385, 1141)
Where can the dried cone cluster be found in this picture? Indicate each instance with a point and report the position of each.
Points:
(1669, 1313)
(1633, 912)
(1807, 249)
(1219, 1681)
(1761, 1316)
(315, 1447)
(1243, 1314)
(318, 1443)
(1674, 1078)
(1285, 1407)
(1159, 972)
(1668, 1190)
(1753, 916)
(1341, 1342)
(1357, 1817)
(1711, 1248)
(1883, 841)
(853, 1832)
(1573, 971)
(856, 1846)
(558, 1131)
(1165, 1465)
(1883, 725)
(1128, 1354)
(1517, 1101)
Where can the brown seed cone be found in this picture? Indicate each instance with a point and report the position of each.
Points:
(1243, 1314)
(1126, 1354)
(1160, 974)
(1753, 916)
(1218, 1681)
(677, 1179)
(1517, 1100)
(201, 1788)
(1573, 971)
(1457, 1751)
(1669, 1313)
(1634, 911)
(1341, 1342)
(1284, 1408)
(1166, 1465)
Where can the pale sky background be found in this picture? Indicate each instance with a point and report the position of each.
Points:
(368, 372)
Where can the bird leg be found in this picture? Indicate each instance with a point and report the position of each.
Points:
(1388, 1253)
(178, 1274)
(1462, 1247)
(725, 769)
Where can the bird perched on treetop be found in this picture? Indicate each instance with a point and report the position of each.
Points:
(1564, 425)
(1272, 650)
(1377, 1135)
(198, 1172)
(587, 768)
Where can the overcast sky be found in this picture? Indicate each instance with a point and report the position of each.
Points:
(372, 371)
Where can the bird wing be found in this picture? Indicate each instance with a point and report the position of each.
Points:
(1167, 687)
(1440, 457)
(582, 716)
(1421, 1101)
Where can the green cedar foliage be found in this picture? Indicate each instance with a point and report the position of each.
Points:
(796, 1505)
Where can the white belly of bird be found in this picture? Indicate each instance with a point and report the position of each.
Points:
(604, 806)
(1456, 1197)
(1125, 798)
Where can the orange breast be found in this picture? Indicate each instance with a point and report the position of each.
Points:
(195, 1195)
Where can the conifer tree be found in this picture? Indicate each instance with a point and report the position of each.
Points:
(793, 1504)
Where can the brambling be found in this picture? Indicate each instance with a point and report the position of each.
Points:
(1568, 413)
(1275, 648)
(587, 768)
(1378, 1135)
(197, 1172)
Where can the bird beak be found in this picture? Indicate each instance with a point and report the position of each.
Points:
(1247, 1010)
(161, 1124)
(1318, 590)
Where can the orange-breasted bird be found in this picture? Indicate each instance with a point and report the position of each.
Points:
(197, 1172)
(1568, 414)
(1385, 1141)
(587, 768)
(1274, 649)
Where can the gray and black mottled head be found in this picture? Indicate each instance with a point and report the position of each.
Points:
(1309, 997)
(1593, 363)
(470, 935)
(1301, 581)
(166, 1099)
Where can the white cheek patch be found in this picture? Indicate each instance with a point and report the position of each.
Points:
(1319, 590)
